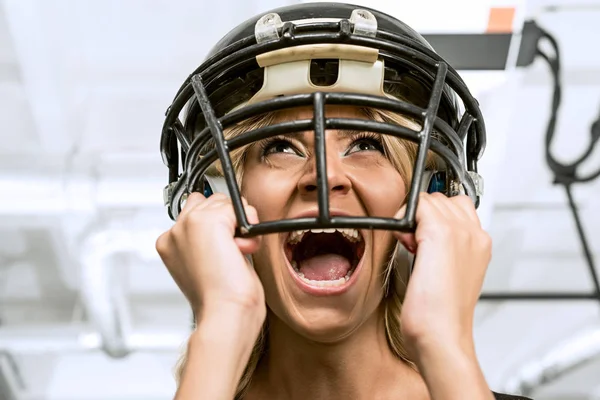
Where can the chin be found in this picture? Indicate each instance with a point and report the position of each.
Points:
(323, 324)
(320, 283)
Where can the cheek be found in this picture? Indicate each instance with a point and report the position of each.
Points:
(270, 278)
(381, 190)
(262, 264)
(267, 192)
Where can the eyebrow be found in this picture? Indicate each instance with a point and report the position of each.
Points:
(294, 135)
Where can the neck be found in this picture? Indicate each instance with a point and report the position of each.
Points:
(361, 366)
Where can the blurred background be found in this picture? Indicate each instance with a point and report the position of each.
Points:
(87, 310)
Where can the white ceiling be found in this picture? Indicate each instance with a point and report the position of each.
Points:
(83, 91)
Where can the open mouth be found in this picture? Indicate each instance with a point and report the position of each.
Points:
(325, 257)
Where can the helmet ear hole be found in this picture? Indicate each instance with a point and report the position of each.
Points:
(207, 190)
(437, 183)
(324, 72)
(433, 182)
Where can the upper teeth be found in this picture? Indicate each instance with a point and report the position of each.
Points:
(350, 234)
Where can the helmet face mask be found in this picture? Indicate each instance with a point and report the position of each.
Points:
(348, 56)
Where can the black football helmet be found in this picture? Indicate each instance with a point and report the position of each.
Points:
(318, 54)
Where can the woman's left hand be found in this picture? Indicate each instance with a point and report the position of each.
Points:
(452, 254)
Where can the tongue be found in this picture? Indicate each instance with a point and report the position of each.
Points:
(325, 267)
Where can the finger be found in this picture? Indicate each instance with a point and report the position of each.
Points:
(407, 239)
(222, 205)
(194, 199)
(166, 248)
(197, 201)
(466, 207)
(163, 244)
(251, 244)
(215, 201)
(427, 210)
(444, 206)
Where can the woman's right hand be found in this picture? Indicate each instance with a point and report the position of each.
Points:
(207, 262)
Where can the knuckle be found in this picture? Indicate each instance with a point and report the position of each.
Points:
(193, 219)
(424, 198)
(462, 235)
(423, 195)
(485, 240)
(445, 230)
(219, 197)
(177, 230)
(162, 243)
(463, 200)
(195, 196)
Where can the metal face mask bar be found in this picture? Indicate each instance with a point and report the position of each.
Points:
(461, 162)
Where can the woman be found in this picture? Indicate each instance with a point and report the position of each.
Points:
(322, 123)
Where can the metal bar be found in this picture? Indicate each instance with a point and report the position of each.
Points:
(555, 363)
(584, 244)
(101, 289)
(244, 139)
(425, 139)
(221, 145)
(321, 156)
(397, 46)
(404, 133)
(287, 225)
(37, 341)
(465, 123)
(570, 7)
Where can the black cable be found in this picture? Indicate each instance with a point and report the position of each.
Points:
(566, 173)
(584, 244)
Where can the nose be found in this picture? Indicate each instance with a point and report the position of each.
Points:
(337, 180)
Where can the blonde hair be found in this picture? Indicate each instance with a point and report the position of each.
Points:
(402, 154)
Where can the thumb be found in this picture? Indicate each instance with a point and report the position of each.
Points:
(407, 239)
(249, 245)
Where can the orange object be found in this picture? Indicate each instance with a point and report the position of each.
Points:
(501, 20)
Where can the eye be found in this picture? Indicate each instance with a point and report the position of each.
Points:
(365, 144)
(278, 146)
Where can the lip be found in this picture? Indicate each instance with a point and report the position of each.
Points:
(318, 290)
(327, 290)
(314, 212)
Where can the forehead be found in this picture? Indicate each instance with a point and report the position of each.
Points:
(331, 111)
